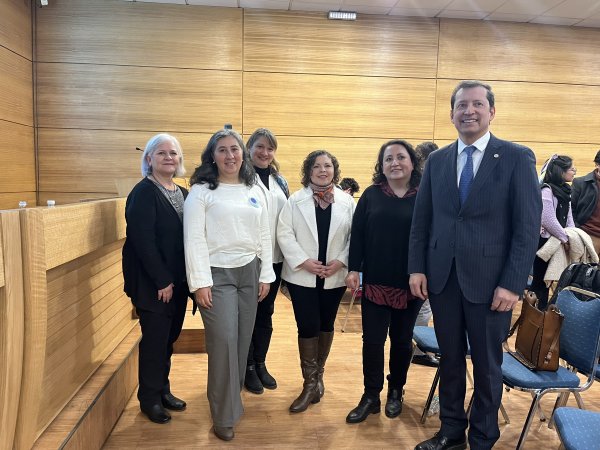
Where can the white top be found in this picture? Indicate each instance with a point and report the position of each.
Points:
(299, 239)
(227, 228)
(480, 144)
(275, 200)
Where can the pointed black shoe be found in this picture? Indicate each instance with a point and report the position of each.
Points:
(264, 376)
(173, 403)
(425, 360)
(157, 414)
(439, 442)
(252, 382)
(365, 407)
(393, 405)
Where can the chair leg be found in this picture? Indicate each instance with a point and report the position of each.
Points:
(561, 400)
(540, 412)
(470, 379)
(504, 414)
(532, 411)
(436, 380)
(349, 308)
(580, 404)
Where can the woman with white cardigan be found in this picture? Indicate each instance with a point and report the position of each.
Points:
(229, 268)
(314, 236)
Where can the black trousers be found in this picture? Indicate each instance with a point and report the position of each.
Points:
(263, 326)
(456, 318)
(537, 283)
(315, 308)
(377, 321)
(159, 333)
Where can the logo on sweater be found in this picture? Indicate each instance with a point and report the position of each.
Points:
(254, 202)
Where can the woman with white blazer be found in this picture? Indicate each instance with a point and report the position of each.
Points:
(314, 236)
(262, 146)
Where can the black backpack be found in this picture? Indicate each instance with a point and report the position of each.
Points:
(581, 275)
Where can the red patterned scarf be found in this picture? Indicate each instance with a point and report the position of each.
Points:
(322, 195)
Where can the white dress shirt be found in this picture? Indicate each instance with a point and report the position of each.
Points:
(480, 144)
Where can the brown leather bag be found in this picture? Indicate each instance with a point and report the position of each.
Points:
(538, 332)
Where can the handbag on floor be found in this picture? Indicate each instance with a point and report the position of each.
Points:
(537, 343)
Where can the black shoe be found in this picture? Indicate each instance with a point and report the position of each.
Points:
(224, 433)
(439, 442)
(366, 406)
(393, 405)
(252, 382)
(426, 360)
(173, 403)
(264, 376)
(157, 414)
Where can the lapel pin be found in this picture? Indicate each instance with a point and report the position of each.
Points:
(496, 155)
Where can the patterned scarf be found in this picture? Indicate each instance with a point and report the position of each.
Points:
(322, 195)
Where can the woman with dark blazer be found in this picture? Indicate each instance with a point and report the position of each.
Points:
(379, 248)
(154, 270)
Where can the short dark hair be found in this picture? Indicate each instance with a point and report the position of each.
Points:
(557, 168)
(468, 84)
(309, 162)
(415, 176)
(350, 184)
(424, 149)
(208, 172)
(597, 158)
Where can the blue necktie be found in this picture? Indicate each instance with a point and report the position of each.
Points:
(466, 176)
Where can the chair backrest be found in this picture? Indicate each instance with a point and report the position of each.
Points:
(580, 332)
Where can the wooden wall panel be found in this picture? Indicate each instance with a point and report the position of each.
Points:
(75, 230)
(16, 93)
(11, 200)
(137, 98)
(17, 156)
(519, 52)
(140, 34)
(357, 156)
(303, 42)
(326, 105)
(12, 324)
(15, 26)
(532, 112)
(92, 160)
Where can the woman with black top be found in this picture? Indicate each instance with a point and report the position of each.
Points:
(262, 146)
(154, 270)
(556, 216)
(314, 235)
(379, 248)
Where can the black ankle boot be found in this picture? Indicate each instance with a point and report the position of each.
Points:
(265, 377)
(366, 406)
(251, 381)
(393, 405)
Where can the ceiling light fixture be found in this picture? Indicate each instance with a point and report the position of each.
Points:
(341, 15)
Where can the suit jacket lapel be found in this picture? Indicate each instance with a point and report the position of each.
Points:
(306, 206)
(451, 154)
(337, 212)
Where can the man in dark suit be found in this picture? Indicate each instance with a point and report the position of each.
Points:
(474, 236)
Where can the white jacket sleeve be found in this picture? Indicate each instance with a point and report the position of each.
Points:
(344, 254)
(286, 237)
(267, 274)
(197, 262)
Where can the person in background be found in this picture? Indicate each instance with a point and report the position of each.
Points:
(314, 235)
(423, 151)
(349, 186)
(472, 243)
(585, 202)
(379, 247)
(154, 270)
(556, 216)
(262, 146)
(229, 268)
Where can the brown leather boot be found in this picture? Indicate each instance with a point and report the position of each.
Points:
(325, 340)
(308, 348)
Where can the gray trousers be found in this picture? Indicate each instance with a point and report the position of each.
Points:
(228, 330)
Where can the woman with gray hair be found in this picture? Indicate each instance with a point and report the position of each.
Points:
(154, 270)
(229, 267)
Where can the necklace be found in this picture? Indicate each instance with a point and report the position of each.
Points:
(175, 196)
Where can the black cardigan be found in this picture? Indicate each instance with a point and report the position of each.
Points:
(153, 255)
(379, 238)
(584, 197)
